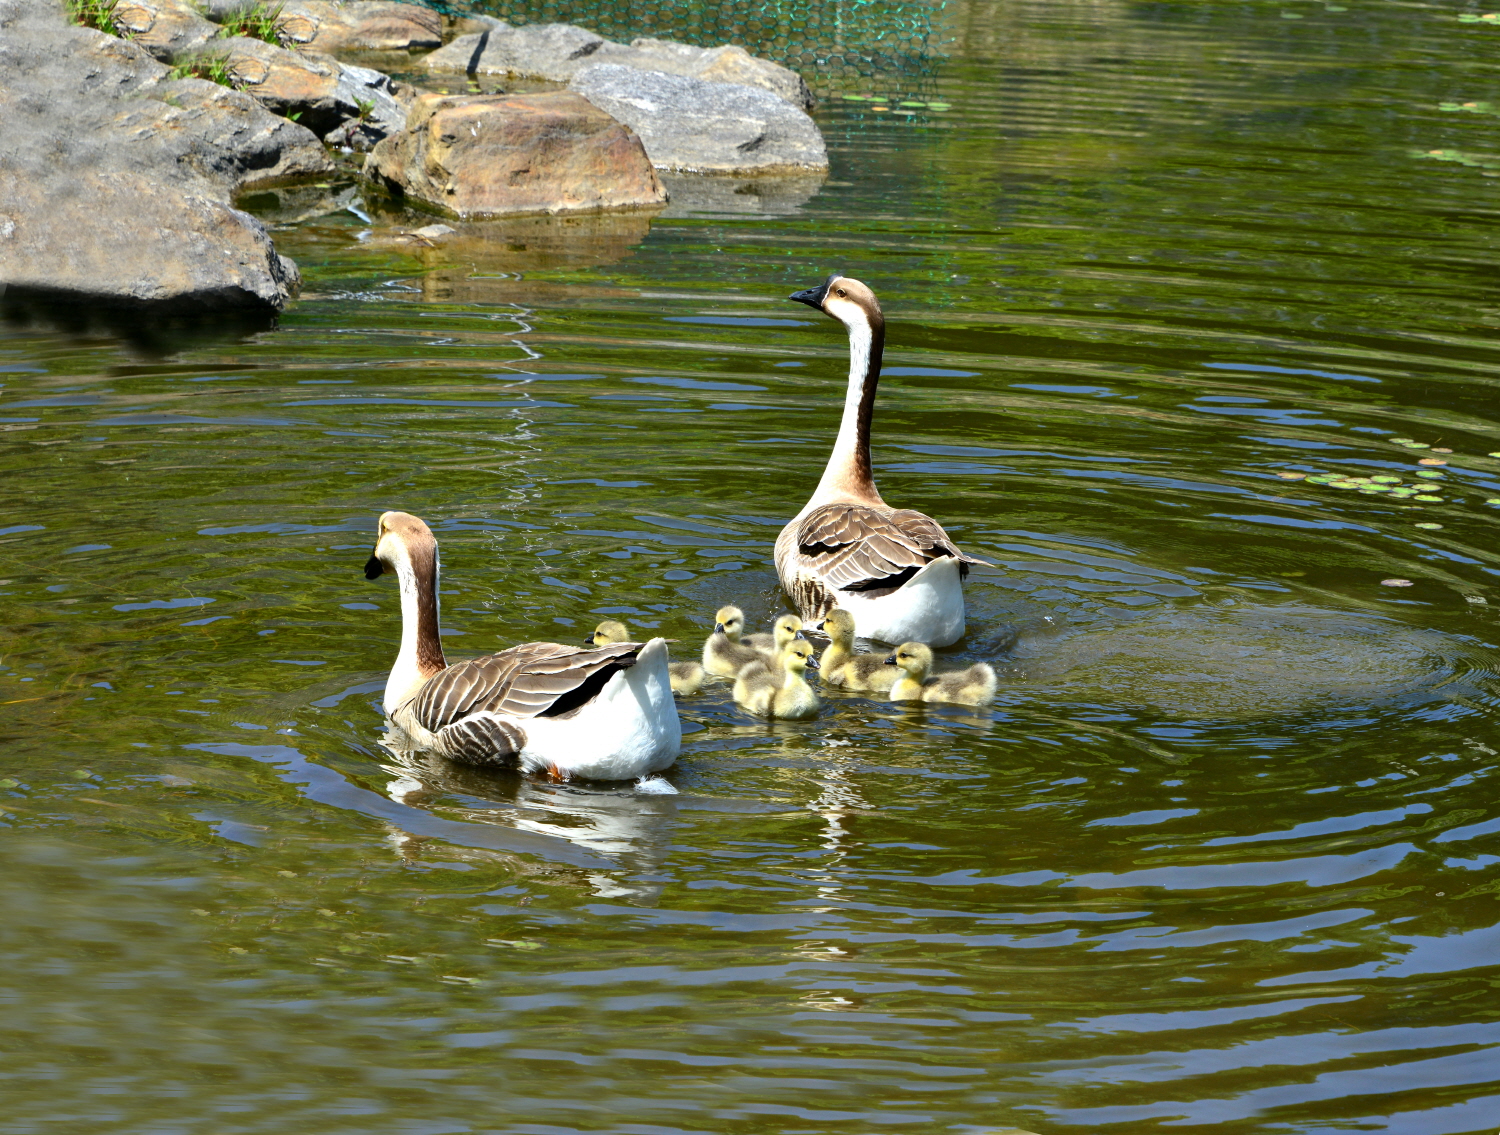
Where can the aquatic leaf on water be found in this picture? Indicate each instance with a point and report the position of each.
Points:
(1428, 524)
(1428, 497)
(1395, 583)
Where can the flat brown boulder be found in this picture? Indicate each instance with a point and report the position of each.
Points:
(319, 91)
(166, 28)
(476, 156)
(359, 26)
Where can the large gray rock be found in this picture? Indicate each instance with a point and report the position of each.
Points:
(359, 25)
(701, 127)
(116, 183)
(476, 156)
(557, 52)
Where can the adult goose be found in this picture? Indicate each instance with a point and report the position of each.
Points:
(602, 713)
(895, 570)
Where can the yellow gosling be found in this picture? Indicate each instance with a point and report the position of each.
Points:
(974, 686)
(783, 630)
(780, 690)
(841, 666)
(686, 677)
(724, 654)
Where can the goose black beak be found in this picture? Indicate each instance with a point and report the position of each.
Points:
(374, 569)
(718, 628)
(813, 297)
(813, 664)
(589, 641)
(891, 661)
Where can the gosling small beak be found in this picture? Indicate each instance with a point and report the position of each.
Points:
(800, 635)
(812, 664)
(718, 628)
(374, 569)
(820, 624)
(589, 641)
(891, 661)
(813, 297)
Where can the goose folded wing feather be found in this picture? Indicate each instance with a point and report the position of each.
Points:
(855, 548)
(524, 681)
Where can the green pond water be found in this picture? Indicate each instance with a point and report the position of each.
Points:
(1223, 857)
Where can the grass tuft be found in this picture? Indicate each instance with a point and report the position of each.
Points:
(260, 21)
(214, 68)
(96, 14)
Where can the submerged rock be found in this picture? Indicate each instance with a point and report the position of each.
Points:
(495, 155)
(557, 52)
(360, 25)
(166, 28)
(116, 184)
(703, 127)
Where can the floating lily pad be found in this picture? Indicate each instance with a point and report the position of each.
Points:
(1344, 484)
(1386, 480)
(1430, 475)
(1287, 475)
(1429, 524)
(1428, 497)
(1432, 461)
(1395, 583)
(939, 106)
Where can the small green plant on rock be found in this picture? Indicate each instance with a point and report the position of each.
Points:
(214, 68)
(259, 21)
(96, 14)
(366, 108)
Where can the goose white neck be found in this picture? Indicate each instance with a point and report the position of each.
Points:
(421, 653)
(848, 472)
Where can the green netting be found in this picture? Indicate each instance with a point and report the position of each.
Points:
(830, 42)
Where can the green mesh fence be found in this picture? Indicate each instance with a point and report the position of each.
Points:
(833, 43)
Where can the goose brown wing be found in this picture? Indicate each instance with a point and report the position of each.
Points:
(535, 679)
(858, 548)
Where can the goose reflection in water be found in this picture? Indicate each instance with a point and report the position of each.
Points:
(629, 826)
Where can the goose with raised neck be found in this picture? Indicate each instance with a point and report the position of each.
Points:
(894, 570)
(603, 713)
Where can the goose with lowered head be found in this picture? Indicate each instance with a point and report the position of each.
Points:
(895, 570)
(567, 711)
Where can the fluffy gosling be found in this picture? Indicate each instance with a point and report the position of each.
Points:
(842, 667)
(974, 686)
(686, 677)
(724, 654)
(783, 631)
(779, 689)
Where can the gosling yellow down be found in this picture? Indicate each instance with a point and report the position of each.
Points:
(724, 654)
(841, 666)
(974, 686)
(780, 689)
